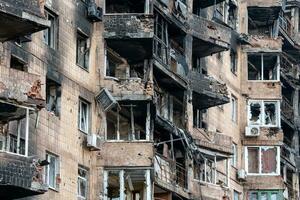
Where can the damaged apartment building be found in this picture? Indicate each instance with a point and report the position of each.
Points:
(149, 99)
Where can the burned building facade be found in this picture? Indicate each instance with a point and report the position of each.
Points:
(149, 99)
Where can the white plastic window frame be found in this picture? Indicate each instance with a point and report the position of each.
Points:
(86, 180)
(47, 170)
(122, 183)
(87, 126)
(262, 113)
(262, 67)
(277, 173)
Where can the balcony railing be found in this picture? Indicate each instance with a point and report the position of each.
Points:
(286, 25)
(169, 171)
(170, 58)
(287, 109)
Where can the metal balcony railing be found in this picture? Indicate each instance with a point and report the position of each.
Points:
(286, 24)
(169, 171)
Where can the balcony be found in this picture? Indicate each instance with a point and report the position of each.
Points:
(129, 34)
(21, 87)
(170, 65)
(212, 140)
(287, 110)
(20, 18)
(209, 37)
(170, 175)
(20, 177)
(207, 91)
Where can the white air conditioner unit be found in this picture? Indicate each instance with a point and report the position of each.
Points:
(241, 175)
(252, 131)
(93, 142)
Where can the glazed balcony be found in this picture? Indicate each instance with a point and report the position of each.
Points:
(209, 37)
(129, 34)
(207, 91)
(20, 177)
(20, 18)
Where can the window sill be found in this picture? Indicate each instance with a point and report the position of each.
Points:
(50, 113)
(253, 175)
(128, 141)
(264, 81)
(84, 132)
(111, 78)
(53, 189)
(81, 67)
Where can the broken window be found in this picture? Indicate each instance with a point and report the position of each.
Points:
(265, 195)
(18, 64)
(115, 65)
(14, 135)
(128, 122)
(263, 113)
(83, 116)
(233, 61)
(82, 50)
(236, 195)
(49, 34)
(52, 171)
(233, 108)
(82, 183)
(232, 15)
(161, 40)
(205, 170)
(263, 66)
(127, 184)
(53, 97)
(262, 160)
(200, 118)
(127, 6)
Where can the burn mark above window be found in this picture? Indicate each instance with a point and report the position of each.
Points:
(126, 6)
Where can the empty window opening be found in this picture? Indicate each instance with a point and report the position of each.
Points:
(200, 118)
(83, 116)
(18, 64)
(82, 50)
(127, 184)
(262, 160)
(115, 65)
(82, 183)
(50, 34)
(53, 97)
(267, 28)
(263, 67)
(263, 113)
(127, 6)
(234, 109)
(52, 171)
(233, 61)
(205, 170)
(128, 122)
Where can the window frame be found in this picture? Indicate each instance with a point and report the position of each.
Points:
(214, 171)
(234, 159)
(262, 67)
(52, 30)
(277, 173)
(56, 171)
(233, 55)
(86, 180)
(269, 193)
(262, 112)
(81, 36)
(121, 172)
(58, 90)
(234, 109)
(88, 104)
